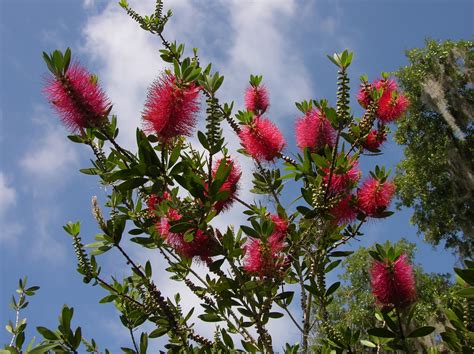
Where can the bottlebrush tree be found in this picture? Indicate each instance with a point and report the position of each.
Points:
(165, 196)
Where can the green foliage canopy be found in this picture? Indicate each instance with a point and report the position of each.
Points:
(436, 178)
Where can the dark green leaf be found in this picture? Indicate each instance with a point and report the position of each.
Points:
(421, 332)
(381, 332)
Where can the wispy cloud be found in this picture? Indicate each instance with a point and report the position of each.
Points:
(245, 38)
(47, 243)
(50, 155)
(9, 230)
(7, 194)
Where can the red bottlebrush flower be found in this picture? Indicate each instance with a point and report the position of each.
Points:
(342, 180)
(163, 226)
(344, 211)
(170, 109)
(374, 140)
(264, 258)
(392, 107)
(77, 98)
(314, 131)
(393, 283)
(256, 99)
(363, 96)
(201, 245)
(231, 184)
(262, 139)
(154, 200)
(281, 225)
(374, 196)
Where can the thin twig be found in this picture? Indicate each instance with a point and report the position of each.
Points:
(17, 317)
(133, 340)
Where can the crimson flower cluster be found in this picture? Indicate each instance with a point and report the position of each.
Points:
(171, 108)
(393, 283)
(77, 98)
(256, 99)
(261, 138)
(314, 131)
(230, 185)
(390, 106)
(265, 257)
(201, 244)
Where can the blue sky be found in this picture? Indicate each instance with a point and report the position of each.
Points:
(286, 41)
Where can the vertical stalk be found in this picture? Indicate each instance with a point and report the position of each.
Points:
(17, 318)
(402, 334)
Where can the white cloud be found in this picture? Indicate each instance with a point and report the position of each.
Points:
(47, 244)
(7, 195)
(9, 230)
(50, 157)
(245, 38)
(88, 3)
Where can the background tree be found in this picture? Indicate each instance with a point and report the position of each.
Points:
(436, 178)
(354, 304)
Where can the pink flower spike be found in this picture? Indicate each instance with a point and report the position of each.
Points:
(342, 180)
(201, 246)
(392, 107)
(256, 99)
(314, 131)
(262, 139)
(344, 212)
(388, 86)
(170, 109)
(374, 140)
(231, 184)
(77, 98)
(393, 284)
(363, 97)
(374, 197)
(281, 226)
(264, 259)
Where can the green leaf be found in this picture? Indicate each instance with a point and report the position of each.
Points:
(227, 339)
(466, 274)
(249, 347)
(47, 333)
(340, 253)
(275, 315)
(333, 288)
(158, 332)
(43, 348)
(368, 343)
(421, 332)
(89, 171)
(76, 139)
(188, 236)
(210, 317)
(132, 184)
(332, 265)
(381, 332)
(467, 292)
(67, 59)
(143, 343)
(249, 231)
(180, 227)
